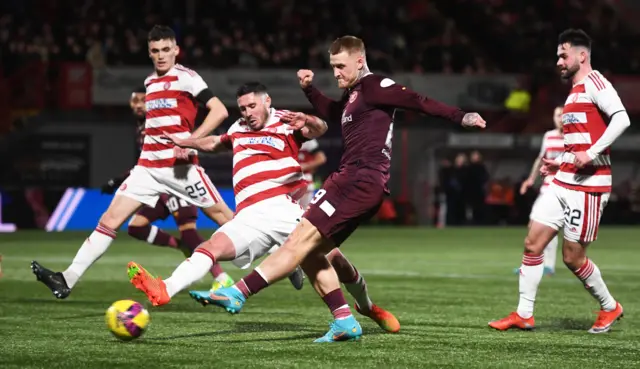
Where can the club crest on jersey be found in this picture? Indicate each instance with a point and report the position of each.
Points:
(353, 96)
(167, 85)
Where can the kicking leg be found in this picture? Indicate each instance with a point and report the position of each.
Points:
(218, 248)
(186, 217)
(297, 277)
(356, 285)
(121, 208)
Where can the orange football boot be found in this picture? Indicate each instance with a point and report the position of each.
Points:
(513, 321)
(153, 287)
(606, 319)
(383, 318)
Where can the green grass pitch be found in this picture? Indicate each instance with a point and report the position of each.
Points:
(443, 285)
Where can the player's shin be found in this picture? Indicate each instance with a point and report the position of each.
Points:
(531, 272)
(91, 250)
(589, 274)
(189, 271)
(352, 280)
(325, 281)
(152, 235)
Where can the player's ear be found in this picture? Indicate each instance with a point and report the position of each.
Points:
(267, 101)
(177, 50)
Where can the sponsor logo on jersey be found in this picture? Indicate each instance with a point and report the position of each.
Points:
(347, 118)
(161, 104)
(269, 141)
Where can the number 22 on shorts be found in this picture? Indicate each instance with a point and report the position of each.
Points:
(325, 205)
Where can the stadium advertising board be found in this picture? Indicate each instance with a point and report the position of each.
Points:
(112, 86)
(79, 209)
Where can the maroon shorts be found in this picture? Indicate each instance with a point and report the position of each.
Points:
(347, 198)
(170, 205)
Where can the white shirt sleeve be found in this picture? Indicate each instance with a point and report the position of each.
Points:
(196, 85)
(607, 99)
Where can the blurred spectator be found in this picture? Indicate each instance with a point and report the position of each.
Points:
(475, 192)
(454, 191)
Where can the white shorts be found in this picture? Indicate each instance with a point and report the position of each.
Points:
(258, 227)
(577, 212)
(187, 182)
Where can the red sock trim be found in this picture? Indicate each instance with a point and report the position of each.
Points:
(206, 252)
(101, 228)
(585, 270)
(532, 259)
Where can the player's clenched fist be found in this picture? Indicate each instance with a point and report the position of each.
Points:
(305, 76)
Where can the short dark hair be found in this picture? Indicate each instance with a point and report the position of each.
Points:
(349, 44)
(575, 37)
(251, 87)
(159, 32)
(139, 90)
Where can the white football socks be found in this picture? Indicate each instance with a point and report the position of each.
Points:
(531, 272)
(591, 277)
(90, 251)
(189, 271)
(358, 290)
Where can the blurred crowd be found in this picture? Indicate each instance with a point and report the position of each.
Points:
(468, 193)
(412, 35)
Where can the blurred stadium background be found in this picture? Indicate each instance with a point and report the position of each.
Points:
(67, 71)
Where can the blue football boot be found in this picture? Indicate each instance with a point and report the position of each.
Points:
(229, 298)
(347, 329)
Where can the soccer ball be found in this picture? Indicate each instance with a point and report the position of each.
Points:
(127, 319)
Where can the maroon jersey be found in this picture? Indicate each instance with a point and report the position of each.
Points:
(366, 112)
(353, 194)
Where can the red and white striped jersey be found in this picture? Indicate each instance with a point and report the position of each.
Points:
(585, 117)
(265, 162)
(552, 147)
(305, 155)
(171, 106)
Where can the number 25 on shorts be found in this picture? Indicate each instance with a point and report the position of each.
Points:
(197, 190)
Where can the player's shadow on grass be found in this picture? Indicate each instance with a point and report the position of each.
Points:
(258, 327)
(56, 301)
(566, 324)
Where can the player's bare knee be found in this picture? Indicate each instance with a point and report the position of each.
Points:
(111, 220)
(220, 246)
(532, 245)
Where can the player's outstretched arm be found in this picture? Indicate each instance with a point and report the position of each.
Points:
(217, 114)
(309, 125)
(386, 92)
(328, 108)
(209, 143)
